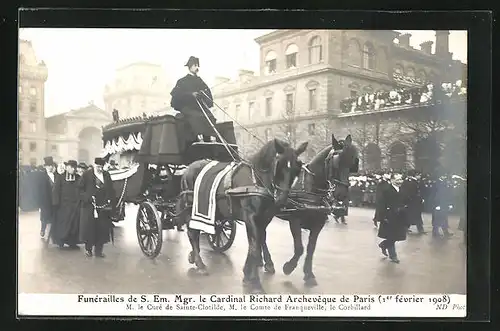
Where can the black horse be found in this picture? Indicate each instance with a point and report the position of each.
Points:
(325, 178)
(258, 189)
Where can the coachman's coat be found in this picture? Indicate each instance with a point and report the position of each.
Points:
(95, 231)
(66, 200)
(392, 215)
(184, 102)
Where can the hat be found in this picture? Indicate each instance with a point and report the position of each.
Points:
(192, 60)
(48, 161)
(71, 163)
(82, 165)
(99, 161)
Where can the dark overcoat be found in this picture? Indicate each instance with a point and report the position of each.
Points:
(44, 196)
(66, 201)
(412, 197)
(441, 199)
(392, 213)
(95, 231)
(382, 187)
(184, 102)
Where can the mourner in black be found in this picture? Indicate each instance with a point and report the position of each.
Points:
(45, 188)
(98, 200)
(82, 167)
(410, 190)
(392, 218)
(66, 200)
(381, 188)
(188, 94)
(441, 205)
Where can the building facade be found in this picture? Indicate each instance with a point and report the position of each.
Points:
(31, 112)
(305, 74)
(77, 134)
(138, 88)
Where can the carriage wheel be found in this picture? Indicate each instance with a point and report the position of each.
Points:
(149, 230)
(225, 232)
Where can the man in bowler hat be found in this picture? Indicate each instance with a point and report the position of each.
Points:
(188, 95)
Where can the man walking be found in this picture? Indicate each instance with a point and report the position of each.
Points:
(412, 197)
(45, 188)
(188, 95)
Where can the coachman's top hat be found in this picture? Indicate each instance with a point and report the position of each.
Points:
(99, 161)
(71, 163)
(48, 161)
(192, 60)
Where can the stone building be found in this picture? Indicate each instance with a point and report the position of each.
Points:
(76, 134)
(138, 88)
(31, 113)
(305, 74)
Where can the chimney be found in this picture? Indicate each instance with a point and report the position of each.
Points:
(245, 75)
(221, 80)
(442, 43)
(404, 40)
(426, 47)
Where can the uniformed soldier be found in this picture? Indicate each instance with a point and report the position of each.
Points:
(188, 95)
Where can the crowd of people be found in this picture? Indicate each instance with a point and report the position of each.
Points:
(403, 96)
(75, 199)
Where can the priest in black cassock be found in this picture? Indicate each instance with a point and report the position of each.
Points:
(188, 94)
(66, 201)
(98, 200)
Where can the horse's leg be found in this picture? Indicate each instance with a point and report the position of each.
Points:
(254, 254)
(194, 255)
(268, 262)
(309, 278)
(296, 229)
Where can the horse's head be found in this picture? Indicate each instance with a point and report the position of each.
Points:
(279, 163)
(340, 162)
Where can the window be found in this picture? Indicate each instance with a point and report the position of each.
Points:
(368, 56)
(267, 134)
(312, 99)
(54, 149)
(251, 109)
(33, 91)
(33, 107)
(237, 111)
(354, 93)
(315, 50)
(33, 126)
(311, 129)
(291, 56)
(32, 147)
(269, 107)
(398, 70)
(270, 61)
(289, 103)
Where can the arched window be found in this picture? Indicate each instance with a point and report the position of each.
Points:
(397, 156)
(368, 56)
(410, 73)
(291, 56)
(315, 50)
(398, 69)
(373, 157)
(270, 61)
(354, 52)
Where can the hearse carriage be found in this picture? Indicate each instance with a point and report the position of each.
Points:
(151, 153)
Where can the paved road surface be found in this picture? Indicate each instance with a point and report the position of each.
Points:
(347, 260)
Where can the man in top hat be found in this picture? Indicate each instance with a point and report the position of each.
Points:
(98, 201)
(66, 200)
(382, 186)
(46, 183)
(81, 168)
(188, 95)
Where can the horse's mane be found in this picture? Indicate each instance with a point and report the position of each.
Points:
(321, 156)
(265, 154)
